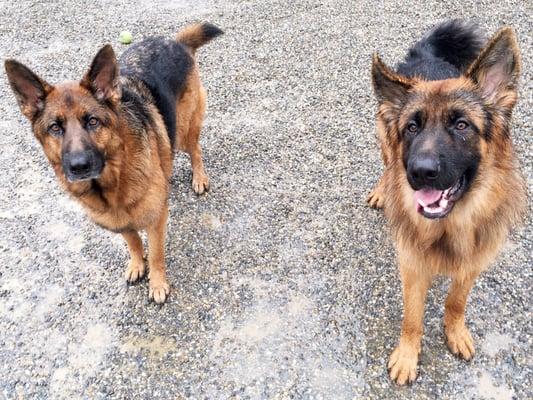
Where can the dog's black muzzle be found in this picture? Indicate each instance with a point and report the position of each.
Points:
(82, 165)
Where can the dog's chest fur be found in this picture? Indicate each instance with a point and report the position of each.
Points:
(132, 189)
(471, 236)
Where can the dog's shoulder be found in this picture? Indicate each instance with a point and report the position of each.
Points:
(137, 104)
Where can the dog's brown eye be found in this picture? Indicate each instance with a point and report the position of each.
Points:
(412, 127)
(461, 125)
(93, 122)
(55, 129)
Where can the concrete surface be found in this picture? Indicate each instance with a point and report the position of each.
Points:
(284, 284)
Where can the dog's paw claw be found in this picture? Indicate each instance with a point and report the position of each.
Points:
(200, 184)
(158, 291)
(402, 364)
(376, 198)
(460, 341)
(134, 271)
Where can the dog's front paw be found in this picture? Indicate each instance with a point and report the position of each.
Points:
(376, 198)
(460, 341)
(402, 364)
(134, 271)
(200, 183)
(158, 288)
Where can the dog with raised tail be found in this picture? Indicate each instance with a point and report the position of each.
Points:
(111, 136)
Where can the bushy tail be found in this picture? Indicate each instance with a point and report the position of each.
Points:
(457, 42)
(196, 35)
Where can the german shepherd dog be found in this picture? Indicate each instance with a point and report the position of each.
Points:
(451, 188)
(110, 137)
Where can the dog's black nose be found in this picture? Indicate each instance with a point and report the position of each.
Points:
(80, 163)
(424, 170)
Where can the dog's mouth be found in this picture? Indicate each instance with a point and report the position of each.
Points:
(434, 203)
(71, 178)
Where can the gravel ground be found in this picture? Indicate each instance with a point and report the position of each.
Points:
(284, 284)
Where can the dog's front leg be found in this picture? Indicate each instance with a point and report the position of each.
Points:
(459, 339)
(158, 286)
(404, 359)
(135, 268)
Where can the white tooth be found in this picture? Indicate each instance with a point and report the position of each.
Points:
(433, 210)
(443, 203)
(422, 203)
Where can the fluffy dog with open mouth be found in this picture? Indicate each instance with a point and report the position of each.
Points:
(451, 188)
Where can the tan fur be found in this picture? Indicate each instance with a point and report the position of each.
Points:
(463, 244)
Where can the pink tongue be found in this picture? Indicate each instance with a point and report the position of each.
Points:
(428, 196)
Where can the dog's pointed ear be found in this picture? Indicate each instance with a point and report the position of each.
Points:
(29, 89)
(388, 85)
(497, 68)
(102, 77)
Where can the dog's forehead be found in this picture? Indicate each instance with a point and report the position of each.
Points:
(443, 91)
(437, 97)
(68, 93)
(70, 98)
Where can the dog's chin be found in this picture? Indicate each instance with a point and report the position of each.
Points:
(433, 203)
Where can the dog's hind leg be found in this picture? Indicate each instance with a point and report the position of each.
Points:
(200, 180)
(135, 268)
(459, 340)
(190, 111)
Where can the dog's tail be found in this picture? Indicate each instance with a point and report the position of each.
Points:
(457, 42)
(196, 35)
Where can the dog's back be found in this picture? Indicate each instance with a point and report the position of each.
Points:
(163, 65)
